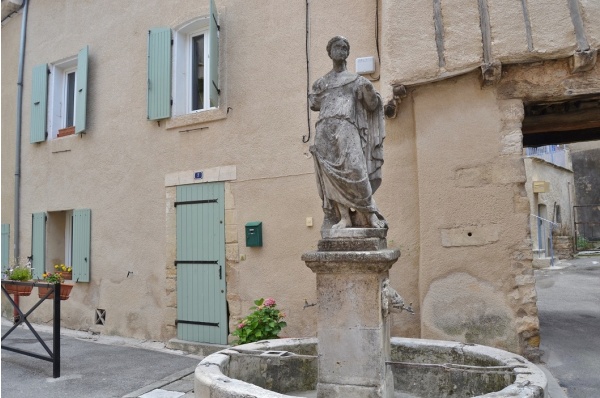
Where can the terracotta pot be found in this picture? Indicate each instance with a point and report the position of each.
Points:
(66, 275)
(18, 289)
(65, 291)
(66, 131)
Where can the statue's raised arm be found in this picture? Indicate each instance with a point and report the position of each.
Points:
(348, 147)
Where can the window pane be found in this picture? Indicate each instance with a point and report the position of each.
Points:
(197, 72)
(70, 102)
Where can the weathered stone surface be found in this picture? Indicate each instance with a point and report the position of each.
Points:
(583, 61)
(339, 262)
(348, 145)
(353, 333)
(215, 378)
(367, 244)
(476, 235)
(356, 233)
(484, 315)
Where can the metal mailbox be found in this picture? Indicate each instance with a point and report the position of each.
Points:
(254, 234)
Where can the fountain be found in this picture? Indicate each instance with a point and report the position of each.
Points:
(354, 356)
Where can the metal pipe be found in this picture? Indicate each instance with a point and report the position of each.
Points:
(17, 197)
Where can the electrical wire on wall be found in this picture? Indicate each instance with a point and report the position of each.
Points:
(374, 79)
(306, 138)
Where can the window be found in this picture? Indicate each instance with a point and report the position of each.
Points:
(193, 85)
(62, 105)
(62, 237)
(192, 79)
(59, 98)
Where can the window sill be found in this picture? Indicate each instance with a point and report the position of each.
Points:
(65, 132)
(189, 119)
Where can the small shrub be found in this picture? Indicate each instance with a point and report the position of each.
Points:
(52, 277)
(18, 271)
(584, 244)
(263, 324)
(20, 274)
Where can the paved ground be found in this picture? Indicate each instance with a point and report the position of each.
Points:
(95, 367)
(569, 311)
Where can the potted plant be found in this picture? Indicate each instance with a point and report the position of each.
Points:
(17, 273)
(65, 271)
(54, 278)
(263, 324)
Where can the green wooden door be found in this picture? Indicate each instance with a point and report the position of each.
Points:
(201, 294)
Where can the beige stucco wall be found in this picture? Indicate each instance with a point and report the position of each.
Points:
(118, 168)
(472, 218)
(11, 30)
(453, 162)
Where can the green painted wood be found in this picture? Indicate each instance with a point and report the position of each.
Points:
(82, 229)
(159, 73)
(201, 288)
(38, 244)
(81, 90)
(5, 245)
(213, 53)
(39, 104)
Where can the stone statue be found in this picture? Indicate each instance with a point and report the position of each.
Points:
(391, 301)
(348, 147)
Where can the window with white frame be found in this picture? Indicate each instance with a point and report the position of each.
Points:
(191, 66)
(61, 108)
(59, 98)
(183, 67)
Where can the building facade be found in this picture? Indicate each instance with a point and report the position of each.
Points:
(153, 133)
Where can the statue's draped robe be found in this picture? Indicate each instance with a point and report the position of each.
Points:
(348, 148)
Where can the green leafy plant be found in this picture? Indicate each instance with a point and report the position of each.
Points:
(584, 244)
(263, 324)
(53, 277)
(18, 272)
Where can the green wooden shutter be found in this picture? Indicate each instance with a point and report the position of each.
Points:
(159, 73)
(82, 228)
(81, 90)
(5, 245)
(39, 104)
(38, 244)
(213, 54)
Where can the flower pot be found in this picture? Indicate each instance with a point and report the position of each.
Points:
(65, 291)
(18, 288)
(66, 275)
(66, 131)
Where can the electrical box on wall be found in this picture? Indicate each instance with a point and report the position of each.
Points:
(254, 234)
(365, 65)
(541, 186)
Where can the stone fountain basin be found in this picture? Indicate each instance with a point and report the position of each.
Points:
(421, 368)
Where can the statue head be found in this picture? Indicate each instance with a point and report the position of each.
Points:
(336, 39)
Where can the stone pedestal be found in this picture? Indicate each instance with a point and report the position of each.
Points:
(352, 327)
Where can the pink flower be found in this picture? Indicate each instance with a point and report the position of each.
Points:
(241, 325)
(269, 302)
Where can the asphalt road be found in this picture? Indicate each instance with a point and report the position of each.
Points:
(569, 312)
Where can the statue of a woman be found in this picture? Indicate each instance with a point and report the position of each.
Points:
(348, 147)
